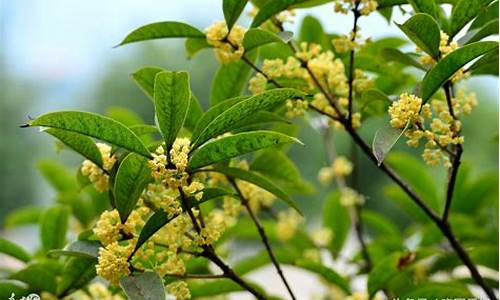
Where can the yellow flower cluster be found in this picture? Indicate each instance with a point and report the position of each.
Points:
(256, 197)
(97, 175)
(109, 225)
(405, 110)
(365, 7)
(322, 237)
(296, 108)
(288, 223)
(179, 289)
(445, 48)
(215, 224)
(113, 261)
(340, 167)
(228, 45)
(350, 197)
(442, 131)
(161, 197)
(344, 44)
(361, 82)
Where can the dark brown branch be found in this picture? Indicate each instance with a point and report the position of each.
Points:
(263, 237)
(197, 276)
(351, 60)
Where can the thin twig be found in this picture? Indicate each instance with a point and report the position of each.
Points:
(197, 276)
(263, 237)
(357, 14)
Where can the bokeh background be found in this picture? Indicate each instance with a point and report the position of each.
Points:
(59, 54)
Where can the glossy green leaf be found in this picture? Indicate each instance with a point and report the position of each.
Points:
(232, 10)
(486, 65)
(23, 216)
(162, 30)
(437, 290)
(145, 79)
(336, 218)
(485, 15)
(326, 273)
(93, 125)
(385, 138)
(236, 145)
(194, 114)
(80, 248)
(142, 129)
(256, 37)
(257, 180)
(238, 112)
(37, 277)
(154, 223)
(172, 95)
(195, 45)
(382, 272)
(79, 143)
(144, 286)
(425, 6)
(451, 63)
(9, 287)
(131, 178)
(490, 28)
(230, 79)
(78, 272)
(53, 227)
(213, 287)
(259, 120)
(272, 8)
(396, 55)
(11, 249)
(212, 113)
(423, 30)
(463, 12)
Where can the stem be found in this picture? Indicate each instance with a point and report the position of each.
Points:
(196, 276)
(263, 237)
(351, 59)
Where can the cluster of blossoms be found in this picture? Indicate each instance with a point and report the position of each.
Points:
(445, 47)
(96, 174)
(296, 108)
(365, 7)
(257, 197)
(341, 167)
(228, 45)
(275, 24)
(113, 260)
(442, 130)
(288, 223)
(179, 289)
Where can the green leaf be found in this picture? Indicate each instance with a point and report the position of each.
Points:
(11, 249)
(238, 112)
(385, 138)
(211, 194)
(486, 15)
(80, 248)
(230, 79)
(336, 218)
(23, 216)
(256, 37)
(396, 55)
(425, 6)
(437, 290)
(162, 30)
(257, 180)
(143, 129)
(144, 286)
(259, 120)
(475, 35)
(213, 287)
(53, 227)
(423, 30)
(195, 45)
(379, 225)
(382, 273)
(9, 287)
(212, 113)
(172, 95)
(78, 271)
(232, 10)
(236, 145)
(194, 114)
(145, 79)
(93, 125)
(272, 8)
(486, 65)
(124, 115)
(451, 63)
(80, 143)
(463, 12)
(326, 273)
(374, 102)
(154, 223)
(57, 175)
(37, 277)
(131, 178)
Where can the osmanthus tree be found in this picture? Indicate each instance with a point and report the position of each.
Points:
(156, 205)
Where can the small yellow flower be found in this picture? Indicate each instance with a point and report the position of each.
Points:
(113, 261)
(288, 223)
(180, 290)
(97, 175)
(228, 45)
(405, 110)
(322, 237)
